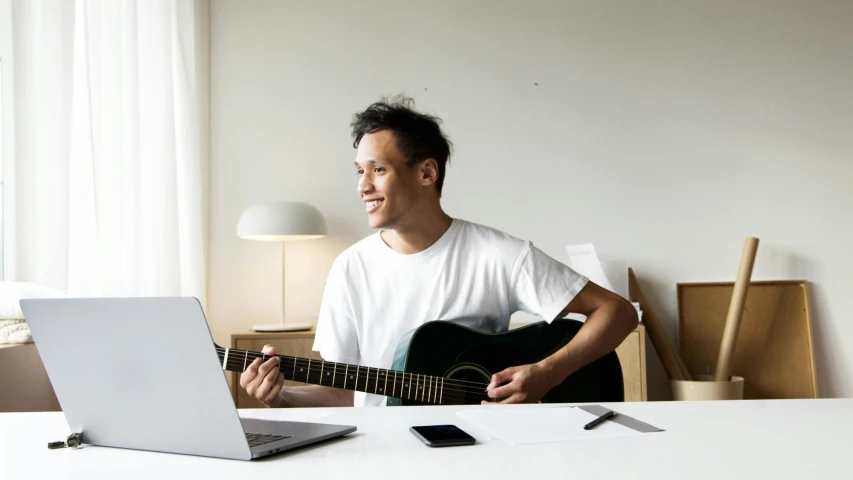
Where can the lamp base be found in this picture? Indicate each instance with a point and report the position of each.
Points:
(282, 327)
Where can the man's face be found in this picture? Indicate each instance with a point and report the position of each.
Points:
(388, 187)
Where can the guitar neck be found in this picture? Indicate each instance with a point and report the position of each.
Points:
(391, 383)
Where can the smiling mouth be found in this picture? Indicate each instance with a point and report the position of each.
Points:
(373, 205)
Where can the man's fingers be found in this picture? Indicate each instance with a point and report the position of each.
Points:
(266, 385)
(499, 378)
(502, 392)
(259, 377)
(514, 398)
(259, 386)
(251, 371)
(269, 365)
(274, 390)
(268, 350)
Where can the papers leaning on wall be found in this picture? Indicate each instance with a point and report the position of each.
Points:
(584, 260)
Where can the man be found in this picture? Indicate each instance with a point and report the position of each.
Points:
(424, 265)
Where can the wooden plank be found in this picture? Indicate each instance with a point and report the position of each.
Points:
(672, 363)
(774, 351)
(631, 353)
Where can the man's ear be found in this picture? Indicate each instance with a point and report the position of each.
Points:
(429, 172)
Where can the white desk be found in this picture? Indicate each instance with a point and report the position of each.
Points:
(704, 440)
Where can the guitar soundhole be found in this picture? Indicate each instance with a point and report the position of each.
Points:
(469, 385)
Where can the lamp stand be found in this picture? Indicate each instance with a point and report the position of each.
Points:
(282, 326)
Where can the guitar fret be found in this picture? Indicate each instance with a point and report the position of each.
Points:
(435, 395)
(294, 370)
(322, 364)
(429, 394)
(334, 372)
(366, 380)
(442, 391)
(355, 385)
(225, 361)
(308, 371)
(394, 385)
(409, 394)
(245, 358)
(346, 371)
(385, 387)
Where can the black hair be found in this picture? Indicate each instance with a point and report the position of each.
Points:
(418, 135)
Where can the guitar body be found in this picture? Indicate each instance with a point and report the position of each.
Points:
(448, 350)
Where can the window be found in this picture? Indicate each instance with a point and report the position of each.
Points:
(2, 192)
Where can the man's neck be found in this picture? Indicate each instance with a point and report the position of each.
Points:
(420, 235)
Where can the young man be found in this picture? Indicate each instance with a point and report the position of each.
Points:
(424, 265)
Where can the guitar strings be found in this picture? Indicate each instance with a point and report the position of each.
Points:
(475, 388)
(438, 396)
(425, 395)
(302, 361)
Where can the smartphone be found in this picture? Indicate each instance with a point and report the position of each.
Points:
(442, 435)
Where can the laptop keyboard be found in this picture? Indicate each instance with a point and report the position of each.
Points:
(256, 439)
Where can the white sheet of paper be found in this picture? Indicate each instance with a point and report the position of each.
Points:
(584, 260)
(518, 426)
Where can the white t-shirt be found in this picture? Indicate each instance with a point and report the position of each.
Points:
(473, 275)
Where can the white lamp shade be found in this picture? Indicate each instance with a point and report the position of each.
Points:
(281, 221)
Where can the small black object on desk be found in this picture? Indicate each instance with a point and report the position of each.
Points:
(598, 420)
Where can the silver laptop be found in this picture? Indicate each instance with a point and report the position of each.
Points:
(143, 373)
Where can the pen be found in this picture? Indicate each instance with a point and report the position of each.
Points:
(598, 420)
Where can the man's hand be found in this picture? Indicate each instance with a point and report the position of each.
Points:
(263, 381)
(527, 384)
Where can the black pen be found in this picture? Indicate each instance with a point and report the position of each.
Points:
(598, 420)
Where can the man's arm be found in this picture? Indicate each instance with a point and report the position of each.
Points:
(610, 318)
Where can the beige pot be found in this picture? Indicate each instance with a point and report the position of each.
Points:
(703, 387)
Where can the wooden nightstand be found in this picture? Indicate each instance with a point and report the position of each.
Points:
(632, 356)
(296, 344)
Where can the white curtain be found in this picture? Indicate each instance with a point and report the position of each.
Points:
(111, 161)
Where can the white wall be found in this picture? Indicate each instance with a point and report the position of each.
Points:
(664, 132)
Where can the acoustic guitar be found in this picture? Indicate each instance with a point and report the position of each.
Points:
(444, 363)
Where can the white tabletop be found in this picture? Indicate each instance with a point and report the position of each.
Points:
(777, 439)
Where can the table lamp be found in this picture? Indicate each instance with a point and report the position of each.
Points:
(281, 222)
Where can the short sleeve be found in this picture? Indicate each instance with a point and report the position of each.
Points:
(544, 286)
(336, 337)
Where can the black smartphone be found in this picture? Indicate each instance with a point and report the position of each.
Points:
(442, 435)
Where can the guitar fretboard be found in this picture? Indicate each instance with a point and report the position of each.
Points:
(391, 383)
